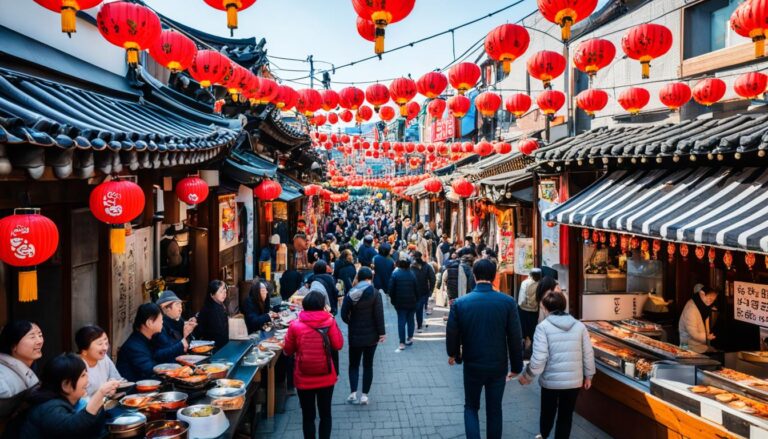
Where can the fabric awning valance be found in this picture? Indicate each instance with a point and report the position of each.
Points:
(717, 206)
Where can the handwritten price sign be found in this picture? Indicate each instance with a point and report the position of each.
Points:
(750, 303)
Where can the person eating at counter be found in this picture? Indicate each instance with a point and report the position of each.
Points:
(21, 344)
(256, 308)
(53, 413)
(93, 345)
(695, 321)
(135, 359)
(213, 320)
(172, 341)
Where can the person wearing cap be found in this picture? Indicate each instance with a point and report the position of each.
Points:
(366, 253)
(405, 297)
(172, 340)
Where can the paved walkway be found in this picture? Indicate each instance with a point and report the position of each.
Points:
(416, 394)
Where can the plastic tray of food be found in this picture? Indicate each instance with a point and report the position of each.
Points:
(748, 383)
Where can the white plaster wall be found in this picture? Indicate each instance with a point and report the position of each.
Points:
(28, 18)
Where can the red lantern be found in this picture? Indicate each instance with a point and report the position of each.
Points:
(506, 43)
(173, 50)
(377, 95)
(585, 234)
(468, 147)
(129, 25)
(192, 190)
(27, 239)
(330, 99)
(462, 187)
(456, 147)
(458, 105)
(346, 116)
(709, 91)
(319, 120)
(309, 102)
(231, 6)
(613, 240)
(517, 104)
(436, 108)
(412, 110)
(387, 113)
(749, 259)
(646, 42)
(750, 85)
(502, 148)
(415, 162)
(432, 84)
(593, 55)
(750, 19)
(566, 13)
(68, 10)
(527, 146)
(671, 252)
(711, 256)
(351, 98)
(382, 13)
(634, 99)
(366, 29)
(236, 81)
(699, 252)
(546, 66)
(550, 101)
(463, 76)
(488, 103)
(684, 251)
(268, 190)
(267, 92)
(209, 67)
(433, 185)
(286, 98)
(674, 95)
(483, 148)
(592, 100)
(402, 91)
(728, 259)
(364, 114)
(117, 202)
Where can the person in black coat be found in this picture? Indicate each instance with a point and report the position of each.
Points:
(383, 266)
(321, 275)
(363, 311)
(172, 340)
(135, 359)
(213, 320)
(256, 307)
(425, 284)
(290, 282)
(404, 297)
(366, 252)
(53, 414)
(484, 332)
(451, 277)
(344, 270)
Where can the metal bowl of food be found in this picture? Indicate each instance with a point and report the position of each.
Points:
(225, 392)
(167, 430)
(168, 401)
(127, 425)
(146, 386)
(164, 368)
(215, 370)
(237, 384)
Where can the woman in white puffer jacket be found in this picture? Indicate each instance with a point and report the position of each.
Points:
(563, 356)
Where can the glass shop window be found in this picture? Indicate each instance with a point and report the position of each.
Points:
(707, 28)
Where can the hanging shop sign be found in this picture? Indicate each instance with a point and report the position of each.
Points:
(523, 255)
(750, 303)
(229, 229)
(550, 237)
(505, 239)
(548, 190)
(612, 306)
(280, 211)
(130, 270)
(443, 129)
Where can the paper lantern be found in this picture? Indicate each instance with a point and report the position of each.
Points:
(750, 85)
(412, 109)
(346, 116)
(634, 99)
(209, 67)
(750, 20)
(527, 146)
(488, 103)
(27, 239)
(192, 190)
(330, 99)
(517, 104)
(236, 81)
(377, 95)
(671, 252)
(268, 190)
(286, 98)
(387, 113)
(565, 13)
(674, 95)
(351, 98)
(592, 55)
(749, 259)
(433, 185)
(117, 202)
(546, 66)
(232, 7)
(592, 100)
(709, 91)
(173, 50)
(646, 42)
(463, 76)
(458, 105)
(366, 29)
(402, 91)
(462, 187)
(502, 148)
(684, 251)
(432, 84)
(382, 13)
(333, 118)
(506, 43)
(483, 148)
(68, 10)
(436, 108)
(550, 101)
(468, 147)
(130, 26)
(364, 114)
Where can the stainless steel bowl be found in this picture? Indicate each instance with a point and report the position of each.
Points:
(167, 430)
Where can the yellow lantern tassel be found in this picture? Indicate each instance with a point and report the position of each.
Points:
(232, 18)
(378, 42)
(646, 69)
(759, 47)
(268, 216)
(117, 239)
(68, 20)
(27, 284)
(133, 57)
(565, 32)
(403, 110)
(506, 66)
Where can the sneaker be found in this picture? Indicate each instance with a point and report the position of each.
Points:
(538, 436)
(420, 331)
(352, 399)
(400, 348)
(409, 342)
(429, 313)
(364, 399)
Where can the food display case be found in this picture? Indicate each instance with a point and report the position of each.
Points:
(627, 361)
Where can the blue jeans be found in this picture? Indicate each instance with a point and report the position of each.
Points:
(405, 317)
(420, 307)
(494, 391)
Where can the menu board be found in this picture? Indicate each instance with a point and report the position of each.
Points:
(750, 303)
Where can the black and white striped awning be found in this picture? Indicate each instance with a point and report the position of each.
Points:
(718, 206)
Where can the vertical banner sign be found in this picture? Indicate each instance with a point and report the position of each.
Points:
(750, 303)
(245, 196)
(523, 255)
(129, 272)
(229, 229)
(550, 236)
(443, 129)
(505, 221)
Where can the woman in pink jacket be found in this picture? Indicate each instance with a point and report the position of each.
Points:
(313, 337)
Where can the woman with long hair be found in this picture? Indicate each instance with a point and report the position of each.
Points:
(256, 307)
(213, 319)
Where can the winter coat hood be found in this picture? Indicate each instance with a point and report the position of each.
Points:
(357, 291)
(316, 319)
(562, 321)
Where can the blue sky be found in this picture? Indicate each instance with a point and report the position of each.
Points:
(326, 29)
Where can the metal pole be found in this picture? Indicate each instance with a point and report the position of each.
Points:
(570, 120)
(311, 71)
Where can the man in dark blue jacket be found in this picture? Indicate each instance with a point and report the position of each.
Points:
(484, 332)
(366, 252)
(383, 266)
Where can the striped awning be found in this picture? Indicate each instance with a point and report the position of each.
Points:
(718, 206)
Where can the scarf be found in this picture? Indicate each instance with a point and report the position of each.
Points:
(704, 310)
